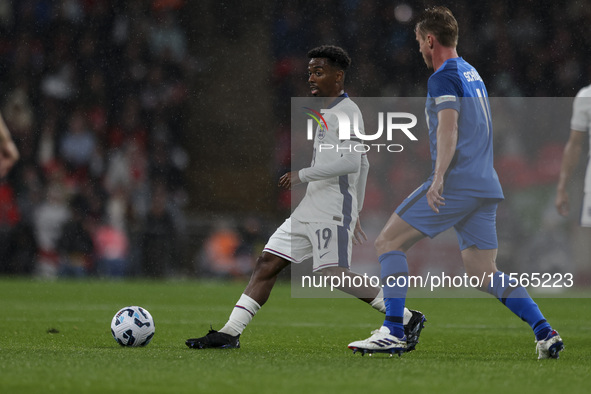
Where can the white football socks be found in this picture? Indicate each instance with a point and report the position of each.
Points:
(406, 317)
(378, 304)
(242, 314)
(246, 308)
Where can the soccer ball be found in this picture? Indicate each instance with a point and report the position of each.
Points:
(132, 326)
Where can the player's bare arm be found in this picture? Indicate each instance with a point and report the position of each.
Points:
(8, 151)
(570, 158)
(447, 138)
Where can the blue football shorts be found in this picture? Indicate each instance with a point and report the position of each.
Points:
(473, 218)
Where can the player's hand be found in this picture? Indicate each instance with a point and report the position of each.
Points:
(434, 198)
(358, 234)
(289, 179)
(8, 156)
(562, 203)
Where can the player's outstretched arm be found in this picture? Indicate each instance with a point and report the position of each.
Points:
(8, 151)
(570, 158)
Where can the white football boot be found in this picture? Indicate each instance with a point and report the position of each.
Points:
(381, 341)
(550, 347)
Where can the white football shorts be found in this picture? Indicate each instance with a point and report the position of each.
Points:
(328, 244)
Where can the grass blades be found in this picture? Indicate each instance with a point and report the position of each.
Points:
(55, 338)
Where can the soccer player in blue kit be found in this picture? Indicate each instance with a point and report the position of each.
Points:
(462, 192)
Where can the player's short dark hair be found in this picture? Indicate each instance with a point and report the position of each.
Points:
(337, 56)
(440, 22)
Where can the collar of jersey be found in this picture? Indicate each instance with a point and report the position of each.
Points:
(338, 100)
(447, 61)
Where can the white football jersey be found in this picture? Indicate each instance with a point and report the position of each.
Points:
(334, 199)
(581, 121)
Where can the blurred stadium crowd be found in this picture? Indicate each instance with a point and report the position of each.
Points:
(94, 93)
(97, 96)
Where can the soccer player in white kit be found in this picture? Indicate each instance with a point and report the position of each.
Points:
(326, 221)
(580, 126)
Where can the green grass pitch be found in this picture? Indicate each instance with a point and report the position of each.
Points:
(55, 338)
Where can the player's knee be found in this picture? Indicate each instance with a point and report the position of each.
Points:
(401, 240)
(268, 265)
(382, 245)
(333, 271)
(483, 278)
(263, 264)
(484, 271)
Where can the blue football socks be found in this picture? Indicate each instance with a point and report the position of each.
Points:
(517, 299)
(394, 273)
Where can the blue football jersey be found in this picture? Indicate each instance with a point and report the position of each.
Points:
(457, 85)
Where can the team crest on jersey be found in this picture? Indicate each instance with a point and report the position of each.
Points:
(322, 125)
(321, 133)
